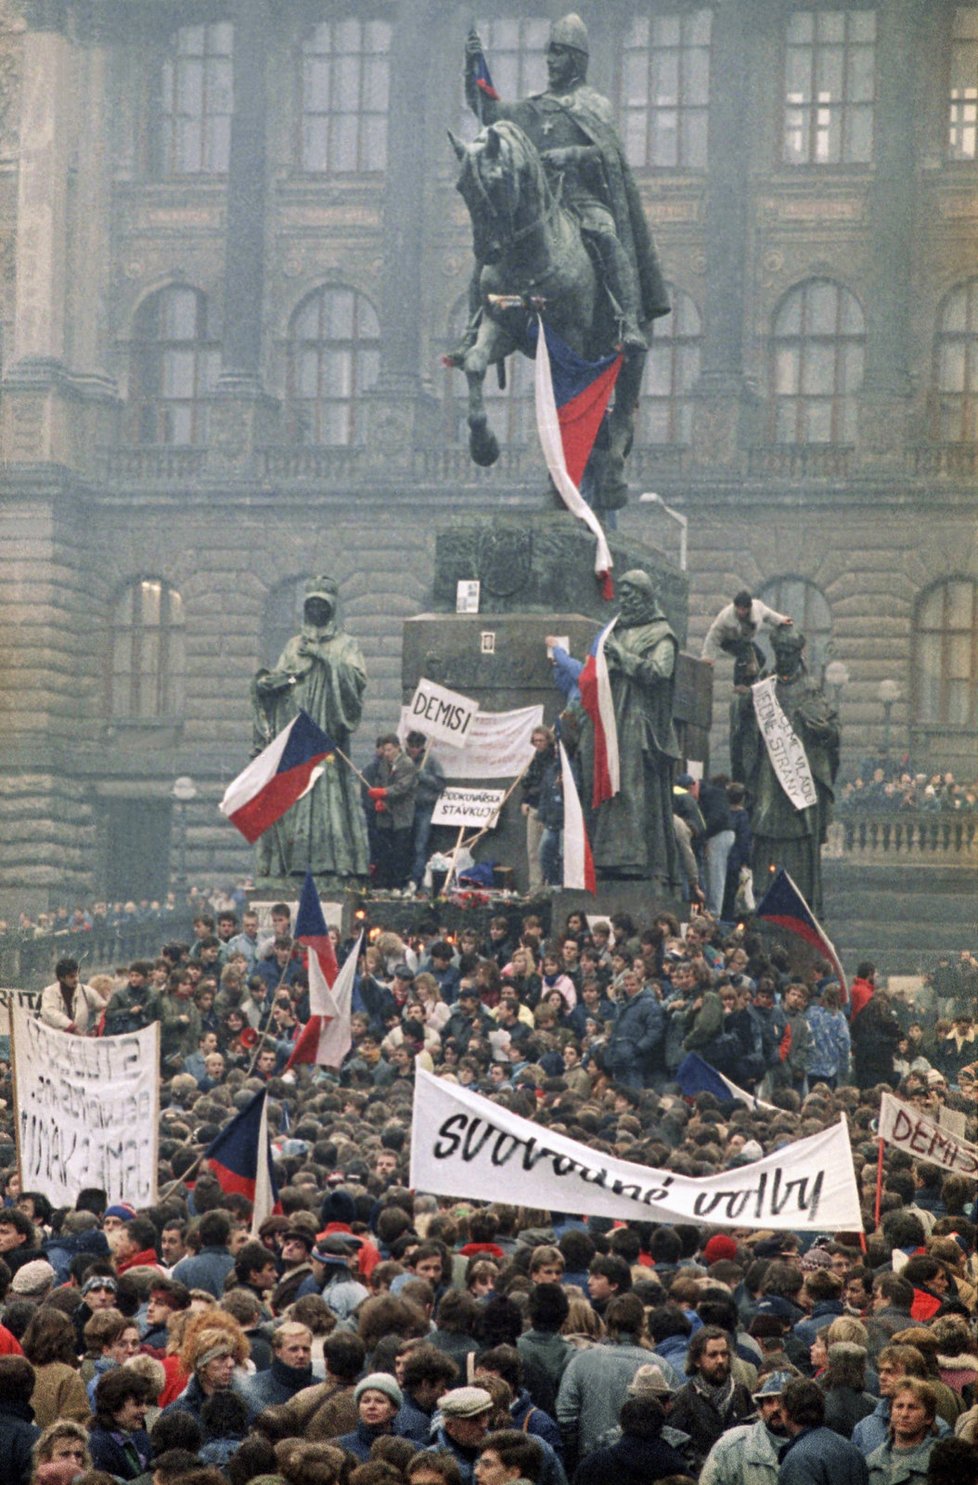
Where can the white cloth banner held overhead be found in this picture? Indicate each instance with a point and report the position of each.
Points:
(87, 1111)
(784, 748)
(900, 1125)
(478, 807)
(440, 713)
(497, 746)
(464, 1145)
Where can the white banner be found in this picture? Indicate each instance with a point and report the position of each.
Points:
(442, 714)
(784, 747)
(27, 998)
(463, 1145)
(902, 1126)
(498, 745)
(477, 807)
(87, 1111)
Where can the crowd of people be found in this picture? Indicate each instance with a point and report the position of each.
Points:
(376, 1335)
(895, 788)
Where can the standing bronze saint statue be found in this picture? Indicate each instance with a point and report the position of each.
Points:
(320, 671)
(783, 835)
(558, 223)
(632, 834)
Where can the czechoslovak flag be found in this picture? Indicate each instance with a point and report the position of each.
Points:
(241, 1160)
(483, 80)
(280, 775)
(572, 396)
(327, 1037)
(783, 904)
(596, 699)
(578, 861)
(312, 932)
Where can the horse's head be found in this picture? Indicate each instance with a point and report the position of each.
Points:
(499, 185)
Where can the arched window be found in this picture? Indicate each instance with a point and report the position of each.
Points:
(946, 654)
(192, 135)
(175, 365)
(673, 366)
(664, 92)
(334, 358)
(956, 365)
(147, 672)
(344, 88)
(282, 617)
(807, 605)
(817, 353)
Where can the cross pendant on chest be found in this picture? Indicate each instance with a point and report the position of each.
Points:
(548, 127)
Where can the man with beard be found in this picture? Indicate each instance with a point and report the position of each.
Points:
(748, 1454)
(632, 833)
(711, 1401)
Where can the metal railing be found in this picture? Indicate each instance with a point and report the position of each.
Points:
(27, 962)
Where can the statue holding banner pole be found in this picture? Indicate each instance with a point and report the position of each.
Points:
(787, 735)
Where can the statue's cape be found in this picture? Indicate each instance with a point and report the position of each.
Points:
(592, 114)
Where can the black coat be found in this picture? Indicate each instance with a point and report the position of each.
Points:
(18, 1434)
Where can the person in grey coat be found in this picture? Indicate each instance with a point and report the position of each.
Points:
(748, 1454)
(393, 804)
(636, 1046)
(595, 1382)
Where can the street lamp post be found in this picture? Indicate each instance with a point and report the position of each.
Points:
(888, 693)
(837, 676)
(674, 515)
(184, 791)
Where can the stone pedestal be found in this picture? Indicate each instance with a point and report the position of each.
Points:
(536, 571)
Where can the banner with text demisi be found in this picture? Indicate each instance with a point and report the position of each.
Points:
(902, 1126)
(464, 1145)
(87, 1111)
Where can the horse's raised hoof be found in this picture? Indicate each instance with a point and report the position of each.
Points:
(483, 443)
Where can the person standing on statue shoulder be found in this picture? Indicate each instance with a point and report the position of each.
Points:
(572, 127)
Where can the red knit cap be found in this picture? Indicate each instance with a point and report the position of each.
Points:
(720, 1246)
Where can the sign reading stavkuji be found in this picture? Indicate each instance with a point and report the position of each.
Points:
(477, 807)
(464, 1145)
(497, 745)
(784, 747)
(900, 1125)
(440, 713)
(87, 1111)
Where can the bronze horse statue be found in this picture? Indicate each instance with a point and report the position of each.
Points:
(530, 253)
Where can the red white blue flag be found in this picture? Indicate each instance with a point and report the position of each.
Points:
(572, 396)
(280, 775)
(578, 861)
(483, 80)
(596, 698)
(241, 1160)
(784, 905)
(312, 932)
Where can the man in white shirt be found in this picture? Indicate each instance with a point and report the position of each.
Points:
(733, 632)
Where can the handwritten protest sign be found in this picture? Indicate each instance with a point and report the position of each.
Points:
(902, 1126)
(467, 807)
(10, 997)
(463, 1145)
(497, 746)
(440, 713)
(785, 749)
(87, 1111)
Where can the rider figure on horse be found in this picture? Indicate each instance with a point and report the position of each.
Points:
(571, 126)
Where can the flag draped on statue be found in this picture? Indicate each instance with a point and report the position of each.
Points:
(241, 1160)
(483, 78)
(784, 905)
(596, 698)
(572, 396)
(281, 774)
(578, 861)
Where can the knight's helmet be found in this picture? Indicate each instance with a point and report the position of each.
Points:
(570, 31)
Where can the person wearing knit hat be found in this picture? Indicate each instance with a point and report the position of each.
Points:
(719, 1247)
(33, 1280)
(649, 1381)
(378, 1399)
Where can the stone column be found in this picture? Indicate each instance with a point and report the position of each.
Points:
(243, 415)
(723, 397)
(34, 425)
(885, 401)
(396, 409)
